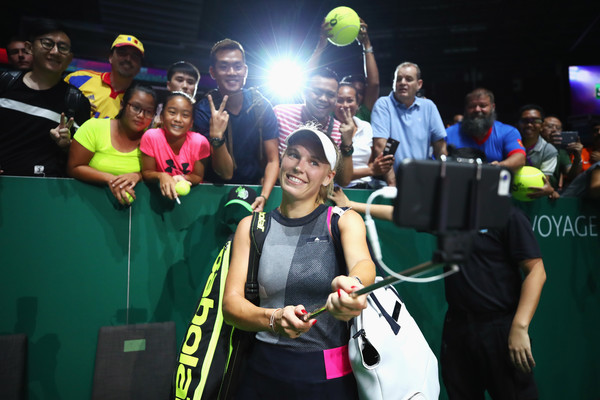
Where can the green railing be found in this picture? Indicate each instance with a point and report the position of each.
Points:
(71, 262)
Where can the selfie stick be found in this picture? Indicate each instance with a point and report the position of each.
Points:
(389, 193)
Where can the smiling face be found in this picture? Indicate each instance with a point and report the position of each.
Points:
(125, 61)
(303, 172)
(406, 84)
(139, 111)
(530, 125)
(320, 96)
(50, 60)
(177, 116)
(229, 71)
(347, 99)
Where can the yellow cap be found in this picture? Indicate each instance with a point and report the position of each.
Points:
(128, 40)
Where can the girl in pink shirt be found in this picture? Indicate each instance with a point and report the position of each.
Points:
(173, 153)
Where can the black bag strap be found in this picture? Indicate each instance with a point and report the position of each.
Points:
(261, 221)
(8, 79)
(334, 230)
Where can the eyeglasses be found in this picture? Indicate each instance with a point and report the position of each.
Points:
(137, 110)
(552, 126)
(48, 44)
(533, 121)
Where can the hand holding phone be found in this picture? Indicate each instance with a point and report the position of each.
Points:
(390, 147)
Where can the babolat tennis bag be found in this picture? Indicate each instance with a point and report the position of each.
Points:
(211, 357)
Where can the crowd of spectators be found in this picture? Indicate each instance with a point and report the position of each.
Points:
(243, 135)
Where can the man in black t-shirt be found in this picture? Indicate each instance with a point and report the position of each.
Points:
(35, 109)
(485, 344)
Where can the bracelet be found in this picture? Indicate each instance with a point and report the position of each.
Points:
(263, 196)
(216, 142)
(358, 279)
(346, 150)
(368, 50)
(272, 321)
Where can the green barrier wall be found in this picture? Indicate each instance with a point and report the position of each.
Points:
(71, 261)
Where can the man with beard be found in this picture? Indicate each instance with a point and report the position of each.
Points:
(105, 90)
(479, 129)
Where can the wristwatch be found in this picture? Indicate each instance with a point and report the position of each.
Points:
(216, 142)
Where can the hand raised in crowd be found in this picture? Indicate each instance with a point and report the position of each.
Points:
(218, 118)
(324, 34)
(123, 184)
(519, 349)
(382, 164)
(340, 304)
(575, 147)
(62, 133)
(363, 35)
(347, 127)
(546, 190)
(288, 321)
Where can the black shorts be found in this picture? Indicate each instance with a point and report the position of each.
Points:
(278, 374)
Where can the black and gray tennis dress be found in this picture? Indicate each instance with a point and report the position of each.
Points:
(297, 265)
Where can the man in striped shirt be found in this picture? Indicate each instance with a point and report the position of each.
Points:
(320, 97)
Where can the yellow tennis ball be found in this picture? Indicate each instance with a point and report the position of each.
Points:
(525, 178)
(129, 200)
(182, 188)
(345, 25)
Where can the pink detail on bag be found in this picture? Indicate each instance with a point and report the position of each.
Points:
(337, 362)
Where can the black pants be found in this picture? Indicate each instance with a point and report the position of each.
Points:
(475, 358)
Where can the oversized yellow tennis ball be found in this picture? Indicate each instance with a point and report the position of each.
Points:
(129, 200)
(182, 188)
(525, 178)
(345, 25)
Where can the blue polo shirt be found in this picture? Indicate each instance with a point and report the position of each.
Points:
(498, 144)
(245, 135)
(415, 127)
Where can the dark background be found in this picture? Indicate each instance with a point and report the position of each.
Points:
(519, 50)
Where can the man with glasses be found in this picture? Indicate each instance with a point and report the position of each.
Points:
(569, 161)
(479, 129)
(540, 154)
(105, 90)
(19, 57)
(38, 109)
(320, 99)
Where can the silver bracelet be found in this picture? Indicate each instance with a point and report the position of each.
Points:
(368, 50)
(272, 321)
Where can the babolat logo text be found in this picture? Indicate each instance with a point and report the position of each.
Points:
(260, 224)
(190, 353)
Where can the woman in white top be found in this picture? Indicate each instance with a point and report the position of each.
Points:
(366, 166)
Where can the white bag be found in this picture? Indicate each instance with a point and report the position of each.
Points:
(389, 355)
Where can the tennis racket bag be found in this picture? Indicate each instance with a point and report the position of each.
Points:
(211, 357)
